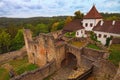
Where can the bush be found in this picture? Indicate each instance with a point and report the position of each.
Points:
(70, 34)
(93, 36)
(108, 41)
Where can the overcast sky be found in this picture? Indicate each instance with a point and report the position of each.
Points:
(34, 8)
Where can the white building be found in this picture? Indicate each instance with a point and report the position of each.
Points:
(106, 29)
(75, 26)
(93, 21)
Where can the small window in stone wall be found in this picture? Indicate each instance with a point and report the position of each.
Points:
(86, 24)
(105, 36)
(91, 25)
(99, 35)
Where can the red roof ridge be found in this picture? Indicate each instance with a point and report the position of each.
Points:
(93, 14)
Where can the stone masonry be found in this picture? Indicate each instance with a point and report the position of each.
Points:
(47, 47)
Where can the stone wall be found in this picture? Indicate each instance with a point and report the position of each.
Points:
(12, 55)
(93, 54)
(117, 76)
(41, 49)
(56, 34)
(104, 70)
(60, 55)
(116, 41)
(38, 74)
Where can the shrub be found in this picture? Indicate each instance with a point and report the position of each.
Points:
(93, 36)
(108, 41)
(70, 34)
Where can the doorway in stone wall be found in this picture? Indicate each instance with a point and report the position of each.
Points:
(70, 61)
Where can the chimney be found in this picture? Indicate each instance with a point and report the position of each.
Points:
(113, 23)
(101, 23)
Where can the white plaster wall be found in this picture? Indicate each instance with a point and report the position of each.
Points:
(89, 21)
(102, 39)
(81, 33)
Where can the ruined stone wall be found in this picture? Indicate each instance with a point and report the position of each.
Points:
(104, 70)
(38, 74)
(116, 41)
(93, 54)
(41, 49)
(13, 55)
(75, 51)
(60, 55)
(56, 34)
(117, 76)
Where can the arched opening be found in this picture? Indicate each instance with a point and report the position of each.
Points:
(70, 61)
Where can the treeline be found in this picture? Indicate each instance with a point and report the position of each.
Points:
(111, 16)
(11, 30)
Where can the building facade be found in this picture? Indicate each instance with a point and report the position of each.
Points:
(93, 21)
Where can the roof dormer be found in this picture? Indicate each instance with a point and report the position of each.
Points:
(101, 23)
(113, 23)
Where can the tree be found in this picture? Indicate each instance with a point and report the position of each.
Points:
(5, 42)
(41, 28)
(18, 41)
(68, 19)
(78, 15)
(54, 26)
(60, 25)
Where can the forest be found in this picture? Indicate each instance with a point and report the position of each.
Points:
(11, 29)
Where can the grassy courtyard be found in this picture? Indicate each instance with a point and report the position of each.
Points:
(114, 53)
(78, 43)
(93, 46)
(19, 66)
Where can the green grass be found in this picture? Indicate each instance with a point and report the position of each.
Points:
(78, 43)
(115, 53)
(22, 65)
(4, 74)
(19, 66)
(93, 46)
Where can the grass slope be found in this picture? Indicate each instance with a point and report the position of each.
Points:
(19, 66)
(115, 53)
(93, 46)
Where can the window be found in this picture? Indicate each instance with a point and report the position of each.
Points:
(105, 36)
(77, 33)
(86, 24)
(81, 31)
(99, 35)
(91, 25)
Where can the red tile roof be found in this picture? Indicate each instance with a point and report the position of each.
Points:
(108, 27)
(73, 26)
(93, 14)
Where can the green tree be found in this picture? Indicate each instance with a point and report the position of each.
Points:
(18, 41)
(5, 42)
(60, 25)
(41, 28)
(54, 26)
(78, 15)
(68, 19)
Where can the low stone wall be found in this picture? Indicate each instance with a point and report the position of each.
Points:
(93, 54)
(116, 41)
(12, 55)
(104, 69)
(117, 76)
(38, 74)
